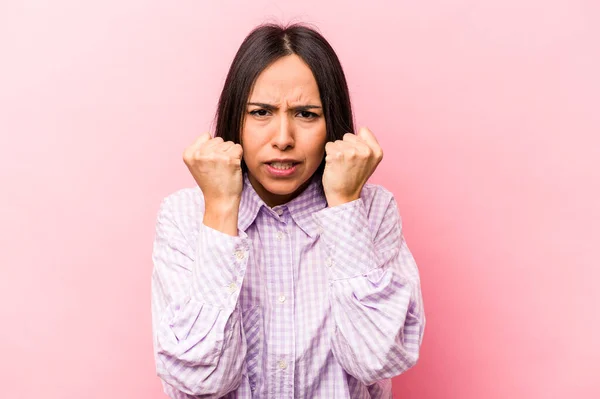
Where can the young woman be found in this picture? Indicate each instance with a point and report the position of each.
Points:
(284, 274)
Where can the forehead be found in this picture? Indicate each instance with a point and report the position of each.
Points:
(287, 79)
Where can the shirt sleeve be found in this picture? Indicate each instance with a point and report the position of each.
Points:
(375, 292)
(199, 345)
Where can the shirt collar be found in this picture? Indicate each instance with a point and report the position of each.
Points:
(301, 208)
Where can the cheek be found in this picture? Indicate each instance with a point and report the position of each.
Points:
(248, 153)
(317, 150)
(255, 131)
(320, 153)
(251, 148)
(323, 140)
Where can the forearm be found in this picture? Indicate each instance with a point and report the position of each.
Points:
(201, 351)
(378, 324)
(222, 215)
(199, 345)
(374, 291)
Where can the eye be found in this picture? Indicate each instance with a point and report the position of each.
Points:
(308, 114)
(259, 112)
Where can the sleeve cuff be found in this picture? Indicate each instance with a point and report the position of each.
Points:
(220, 267)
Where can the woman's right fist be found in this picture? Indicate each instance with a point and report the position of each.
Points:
(216, 166)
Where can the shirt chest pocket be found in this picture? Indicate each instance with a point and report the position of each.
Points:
(252, 325)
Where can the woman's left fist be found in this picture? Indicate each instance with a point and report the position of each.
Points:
(348, 165)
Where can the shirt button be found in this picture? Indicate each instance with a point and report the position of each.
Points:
(280, 235)
(282, 364)
(240, 254)
(232, 287)
(329, 262)
(282, 298)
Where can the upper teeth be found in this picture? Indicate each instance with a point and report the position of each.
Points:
(281, 165)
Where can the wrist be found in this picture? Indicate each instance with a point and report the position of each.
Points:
(222, 216)
(222, 205)
(340, 200)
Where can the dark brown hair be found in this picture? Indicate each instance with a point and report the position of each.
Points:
(264, 45)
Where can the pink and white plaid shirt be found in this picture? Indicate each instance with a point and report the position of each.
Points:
(306, 302)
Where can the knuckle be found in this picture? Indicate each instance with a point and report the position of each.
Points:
(211, 157)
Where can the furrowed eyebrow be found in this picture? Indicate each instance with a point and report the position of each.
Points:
(306, 107)
(271, 107)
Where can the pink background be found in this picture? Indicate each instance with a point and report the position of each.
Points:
(488, 113)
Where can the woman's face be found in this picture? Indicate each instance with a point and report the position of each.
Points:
(284, 132)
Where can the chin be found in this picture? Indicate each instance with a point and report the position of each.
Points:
(281, 187)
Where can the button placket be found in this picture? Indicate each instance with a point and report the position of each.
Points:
(240, 254)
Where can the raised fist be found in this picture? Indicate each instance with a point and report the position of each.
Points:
(216, 166)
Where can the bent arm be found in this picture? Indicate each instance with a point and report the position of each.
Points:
(199, 345)
(375, 290)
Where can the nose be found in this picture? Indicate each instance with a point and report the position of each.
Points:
(283, 138)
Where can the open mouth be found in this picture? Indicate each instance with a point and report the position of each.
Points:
(282, 165)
